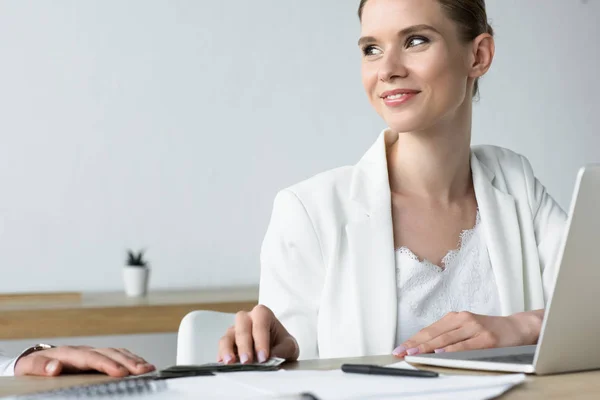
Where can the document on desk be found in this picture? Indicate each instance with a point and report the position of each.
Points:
(323, 385)
(337, 385)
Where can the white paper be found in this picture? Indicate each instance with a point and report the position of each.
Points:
(401, 364)
(209, 388)
(337, 385)
(334, 385)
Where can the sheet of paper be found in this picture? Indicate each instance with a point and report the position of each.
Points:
(485, 393)
(337, 385)
(401, 364)
(205, 388)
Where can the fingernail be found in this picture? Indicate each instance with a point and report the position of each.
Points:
(244, 358)
(413, 351)
(52, 366)
(227, 359)
(262, 356)
(439, 350)
(399, 350)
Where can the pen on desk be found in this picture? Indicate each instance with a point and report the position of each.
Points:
(377, 370)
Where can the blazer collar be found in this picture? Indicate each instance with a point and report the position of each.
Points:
(370, 185)
(370, 189)
(501, 228)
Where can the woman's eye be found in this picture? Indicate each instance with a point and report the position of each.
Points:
(416, 41)
(371, 50)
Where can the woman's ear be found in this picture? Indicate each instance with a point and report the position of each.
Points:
(483, 54)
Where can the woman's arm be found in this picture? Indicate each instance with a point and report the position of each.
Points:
(292, 271)
(549, 222)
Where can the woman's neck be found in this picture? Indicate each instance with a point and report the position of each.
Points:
(432, 165)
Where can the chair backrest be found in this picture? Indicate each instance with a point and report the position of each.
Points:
(199, 334)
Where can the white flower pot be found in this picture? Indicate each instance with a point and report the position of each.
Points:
(136, 281)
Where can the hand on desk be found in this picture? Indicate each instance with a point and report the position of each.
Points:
(459, 331)
(257, 335)
(52, 362)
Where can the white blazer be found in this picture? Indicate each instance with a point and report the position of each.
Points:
(328, 261)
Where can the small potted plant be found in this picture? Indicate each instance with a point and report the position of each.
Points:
(136, 274)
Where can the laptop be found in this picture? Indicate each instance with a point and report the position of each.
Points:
(570, 336)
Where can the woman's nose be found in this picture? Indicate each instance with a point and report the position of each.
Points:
(392, 66)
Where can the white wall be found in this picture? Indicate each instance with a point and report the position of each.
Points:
(172, 124)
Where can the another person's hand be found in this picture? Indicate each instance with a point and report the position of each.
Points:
(72, 359)
(257, 335)
(459, 331)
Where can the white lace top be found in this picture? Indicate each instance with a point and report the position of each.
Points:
(427, 292)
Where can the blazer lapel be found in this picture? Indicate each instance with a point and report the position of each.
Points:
(370, 251)
(367, 249)
(501, 229)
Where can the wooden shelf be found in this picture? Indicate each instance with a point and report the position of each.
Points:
(112, 313)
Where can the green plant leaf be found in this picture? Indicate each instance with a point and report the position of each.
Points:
(136, 259)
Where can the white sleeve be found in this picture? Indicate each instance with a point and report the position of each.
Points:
(549, 221)
(7, 366)
(292, 271)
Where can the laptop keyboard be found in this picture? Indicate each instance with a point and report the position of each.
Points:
(510, 359)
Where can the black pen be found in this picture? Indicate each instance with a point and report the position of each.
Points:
(377, 370)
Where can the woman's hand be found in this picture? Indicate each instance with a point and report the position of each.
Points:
(257, 335)
(459, 331)
(52, 362)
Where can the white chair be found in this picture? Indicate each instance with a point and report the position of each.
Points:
(199, 334)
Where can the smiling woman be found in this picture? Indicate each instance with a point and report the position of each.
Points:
(427, 243)
(445, 52)
(470, 17)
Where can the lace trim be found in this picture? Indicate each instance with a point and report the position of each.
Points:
(464, 237)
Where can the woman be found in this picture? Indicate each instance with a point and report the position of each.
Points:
(364, 260)
(47, 360)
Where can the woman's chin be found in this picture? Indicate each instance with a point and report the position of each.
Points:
(407, 126)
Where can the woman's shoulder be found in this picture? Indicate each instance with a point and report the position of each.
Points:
(323, 186)
(503, 161)
(510, 172)
(318, 195)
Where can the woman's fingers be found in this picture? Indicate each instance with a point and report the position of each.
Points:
(262, 323)
(255, 337)
(484, 340)
(137, 358)
(134, 364)
(439, 343)
(227, 347)
(448, 323)
(243, 337)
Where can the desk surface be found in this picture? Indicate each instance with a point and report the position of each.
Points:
(113, 313)
(584, 385)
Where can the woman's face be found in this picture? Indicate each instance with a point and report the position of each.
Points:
(415, 68)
